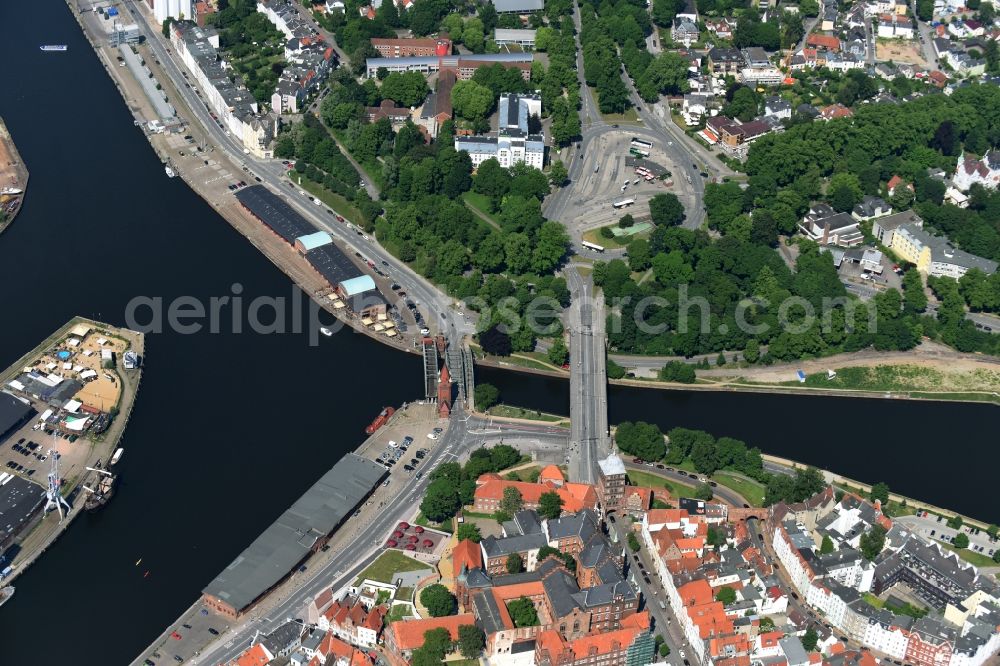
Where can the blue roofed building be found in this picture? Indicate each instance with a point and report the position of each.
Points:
(312, 241)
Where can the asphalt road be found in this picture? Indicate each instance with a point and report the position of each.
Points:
(719, 492)
(588, 377)
(464, 434)
(436, 305)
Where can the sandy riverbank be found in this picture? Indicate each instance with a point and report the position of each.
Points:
(13, 178)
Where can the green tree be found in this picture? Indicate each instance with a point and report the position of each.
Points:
(512, 502)
(751, 352)
(677, 371)
(641, 439)
(961, 540)
(633, 542)
(471, 641)
(703, 491)
(558, 354)
(880, 491)
(872, 542)
(405, 88)
(914, 297)
(726, 595)
(844, 191)
(494, 341)
(487, 395)
(441, 500)
(471, 100)
(809, 639)
(438, 600)
(469, 531)
(523, 612)
(639, 254)
(550, 505)
(558, 174)
(743, 104)
(956, 522)
(666, 209)
(437, 643)
(827, 546)
(514, 563)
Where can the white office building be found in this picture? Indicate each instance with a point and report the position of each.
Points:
(512, 143)
(175, 9)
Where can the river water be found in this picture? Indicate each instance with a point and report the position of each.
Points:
(230, 428)
(939, 452)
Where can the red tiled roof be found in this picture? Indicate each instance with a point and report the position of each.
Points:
(551, 473)
(575, 496)
(826, 41)
(255, 656)
(410, 633)
(596, 645)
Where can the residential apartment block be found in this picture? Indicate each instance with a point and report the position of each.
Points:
(935, 255)
(964, 625)
(234, 105)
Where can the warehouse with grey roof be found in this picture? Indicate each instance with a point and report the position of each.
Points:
(300, 531)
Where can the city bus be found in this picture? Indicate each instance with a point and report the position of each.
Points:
(623, 203)
(640, 148)
(592, 246)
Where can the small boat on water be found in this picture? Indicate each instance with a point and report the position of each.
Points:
(117, 455)
(5, 594)
(53, 47)
(325, 331)
(170, 172)
(380, 420)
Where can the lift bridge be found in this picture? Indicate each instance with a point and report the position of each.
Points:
(460, 367)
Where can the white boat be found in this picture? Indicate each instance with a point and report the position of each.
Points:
(5, 594)
(53, 47)
(170, 172)
(117, 455)
(325, 331)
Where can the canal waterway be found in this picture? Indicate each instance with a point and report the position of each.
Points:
(230, 428)
(944, 453)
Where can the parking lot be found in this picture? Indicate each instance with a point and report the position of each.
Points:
(607, 165)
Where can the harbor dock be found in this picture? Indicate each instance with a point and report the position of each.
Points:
(13, 178)
(63, 409)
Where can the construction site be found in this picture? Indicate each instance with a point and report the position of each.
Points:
(13, 178)
(63, 408)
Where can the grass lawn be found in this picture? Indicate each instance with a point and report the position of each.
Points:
(521, 413)
(638, 478)
(387, 565)
(977, 385)
(423, 521)
(978, 559)
(477, 514)
(404, 594)
(594, 236)
(338, 203)
(630, 115)
(371, 168)
(480, 202)
(398, 612)
(872, 600)
(752, 491)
